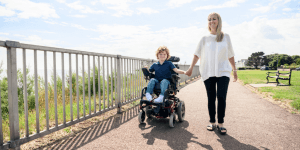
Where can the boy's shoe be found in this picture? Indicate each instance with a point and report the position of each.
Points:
(149, 96)
(159, 99)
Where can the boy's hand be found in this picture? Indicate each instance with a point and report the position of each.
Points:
(145, 66)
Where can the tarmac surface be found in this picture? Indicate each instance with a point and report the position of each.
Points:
(252, 123)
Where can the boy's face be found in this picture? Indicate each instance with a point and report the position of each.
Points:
(162, 56)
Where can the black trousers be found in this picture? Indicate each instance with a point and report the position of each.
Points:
(221, 93)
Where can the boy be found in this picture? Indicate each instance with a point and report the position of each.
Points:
(162, 70)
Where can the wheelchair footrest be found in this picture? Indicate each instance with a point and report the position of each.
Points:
(148, 103)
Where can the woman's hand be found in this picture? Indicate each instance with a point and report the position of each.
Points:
(235, 76)
(189, 72)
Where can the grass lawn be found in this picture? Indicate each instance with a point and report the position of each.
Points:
(278, 93)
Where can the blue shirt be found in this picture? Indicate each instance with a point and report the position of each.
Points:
(162, 71)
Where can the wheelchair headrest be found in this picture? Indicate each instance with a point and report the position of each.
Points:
(174, 59)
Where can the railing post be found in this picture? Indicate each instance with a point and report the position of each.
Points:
(119, 83)
(13, 94)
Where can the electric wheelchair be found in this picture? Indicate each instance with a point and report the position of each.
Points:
(171, 105)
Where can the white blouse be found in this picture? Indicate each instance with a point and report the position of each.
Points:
(214, 56)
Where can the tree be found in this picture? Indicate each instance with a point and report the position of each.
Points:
(295, 57)
(257, 59)
(298, 61)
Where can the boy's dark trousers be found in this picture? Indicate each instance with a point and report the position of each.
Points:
(220, 93)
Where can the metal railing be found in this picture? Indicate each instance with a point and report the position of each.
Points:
(118, 78)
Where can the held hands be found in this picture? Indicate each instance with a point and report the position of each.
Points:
(189, 72)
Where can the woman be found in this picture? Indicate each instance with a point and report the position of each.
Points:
(216, 54)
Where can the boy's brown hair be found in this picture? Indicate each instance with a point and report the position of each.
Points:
(161, 49)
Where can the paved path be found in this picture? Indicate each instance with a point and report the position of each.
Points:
(252, 123)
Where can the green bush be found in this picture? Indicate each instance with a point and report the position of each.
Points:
(30, 93)
(4, 97)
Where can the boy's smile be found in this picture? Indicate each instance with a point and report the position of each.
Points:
(162, 56)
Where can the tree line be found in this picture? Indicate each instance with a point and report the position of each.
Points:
(260, 59)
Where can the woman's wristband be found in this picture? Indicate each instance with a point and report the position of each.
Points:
(234, 70)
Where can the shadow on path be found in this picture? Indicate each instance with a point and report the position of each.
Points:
(94, 132)
(230, 143)
(177, 138)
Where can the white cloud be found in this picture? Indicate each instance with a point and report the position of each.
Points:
(262, 34)
(286, 9)
(27, 9)
(113, 32)
(78, 26)
(64, 24)
(147, 10)
(141, 41)
(61, 1)
(68, 24)
(115, 2)
(232, 3)
(94, 2)
(36, 40)
(273, 5)
(19, 35)
(79, 16)
(259, 34)
(82, 8)
(51, 22)
(45, 32)
(6, 12)
(120, 6)
(178, 3)
(4, 33)
(262, 9)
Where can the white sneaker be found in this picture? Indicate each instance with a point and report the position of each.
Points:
(149, 96)
(159, 99)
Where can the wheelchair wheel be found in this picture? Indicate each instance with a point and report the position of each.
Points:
(141, 116)
(181, 111)
(172, 120)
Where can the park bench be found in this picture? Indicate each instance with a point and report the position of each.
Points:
(279, 76)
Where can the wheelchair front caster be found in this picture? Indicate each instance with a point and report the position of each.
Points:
(148, 112)
(141, 116)
(172, 120)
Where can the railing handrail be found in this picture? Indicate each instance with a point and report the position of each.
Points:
(70, 51)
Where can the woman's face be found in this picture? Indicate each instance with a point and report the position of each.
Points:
(213, 21)
(162, 55)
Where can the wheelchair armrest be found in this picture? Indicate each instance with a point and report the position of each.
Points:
(175, 78)
(147, 74)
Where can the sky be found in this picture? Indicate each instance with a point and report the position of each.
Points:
(137, 28)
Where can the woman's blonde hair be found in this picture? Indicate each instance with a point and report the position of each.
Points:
(220, 34)
(162, 49)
